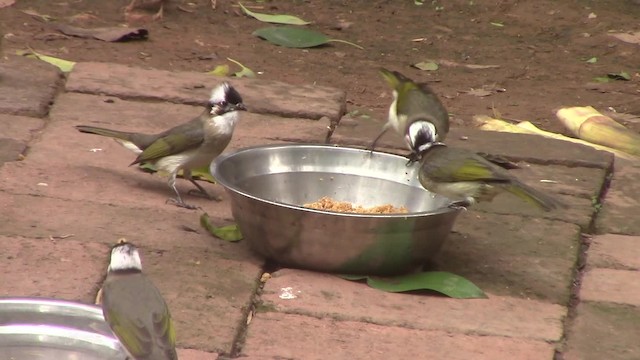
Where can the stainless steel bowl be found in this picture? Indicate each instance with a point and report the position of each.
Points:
(37, 328)
(268, 184)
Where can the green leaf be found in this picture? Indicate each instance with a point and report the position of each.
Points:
(353, 277)
(426, 65)
(296, 37)
(197, 174)
(275, 19)
(244, 71)
(497, 24)
(593, 60)
(220, 70)
(418, 2)
(446, 283)
(623, 75)
(601, 79)
(63, 65)
(229, 233)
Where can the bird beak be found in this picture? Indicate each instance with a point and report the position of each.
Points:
(239, 106)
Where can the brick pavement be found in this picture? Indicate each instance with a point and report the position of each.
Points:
(63, 204)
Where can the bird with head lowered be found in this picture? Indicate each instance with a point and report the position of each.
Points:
(466, 177)
(188, 146)
(415, 106)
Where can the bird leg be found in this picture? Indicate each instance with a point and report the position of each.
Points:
(200, 191)
(177, 201)
(373, 144)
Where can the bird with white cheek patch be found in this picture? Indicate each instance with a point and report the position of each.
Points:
(134, 308)
(188, 146)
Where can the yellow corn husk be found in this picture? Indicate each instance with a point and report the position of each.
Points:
(590, 125)
(526, 127)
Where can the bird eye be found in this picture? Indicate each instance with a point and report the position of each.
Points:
(222, 103)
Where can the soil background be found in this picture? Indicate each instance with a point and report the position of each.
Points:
(541, 48)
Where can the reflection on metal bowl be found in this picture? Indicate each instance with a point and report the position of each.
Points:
(268, 184)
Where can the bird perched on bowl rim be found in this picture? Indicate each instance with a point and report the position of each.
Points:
(188, 146)
(134, 308)
(415, 109)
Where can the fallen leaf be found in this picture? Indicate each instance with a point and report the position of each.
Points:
(220, 70)
(244, 72)
(292, 37)
(497, 24)
(275, 19)
(37, 15)
(426, 66)
(479, 92)
(592, 60)
(623, 75)
(110, 34)
(468, 66)
(229, 233)
(632, 38)
(63, 65)
(446, 283)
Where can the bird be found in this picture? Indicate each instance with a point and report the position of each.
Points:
(467, 178)
(415, 109)
(134, 308)
(188, 146)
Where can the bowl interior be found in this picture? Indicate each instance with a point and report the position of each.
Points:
(299, 174)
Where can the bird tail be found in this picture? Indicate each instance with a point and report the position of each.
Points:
(535, 197)
(125, 139)
(391, 77)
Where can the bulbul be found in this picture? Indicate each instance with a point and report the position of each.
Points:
(134, 308)
(191, 145)
(466, 177)
(415, 109)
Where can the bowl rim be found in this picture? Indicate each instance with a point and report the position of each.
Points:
(223, 157)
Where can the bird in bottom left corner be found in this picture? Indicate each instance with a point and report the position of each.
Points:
(134, 308)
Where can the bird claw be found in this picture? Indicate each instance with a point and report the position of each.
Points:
(413, 157)
(182, 204)
(459, 205)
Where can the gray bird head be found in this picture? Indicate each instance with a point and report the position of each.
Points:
(224, 98)
(125, 257)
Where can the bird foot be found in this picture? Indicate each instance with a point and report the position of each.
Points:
(459, 205)
(182, 204)
(413, 157)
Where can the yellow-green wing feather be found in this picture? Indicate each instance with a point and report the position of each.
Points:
(133, 336)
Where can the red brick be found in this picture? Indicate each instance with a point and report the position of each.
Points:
(262, 96)
(327, 296)
(616, 286)
(69, 269)
(289, 336)
(615, 251)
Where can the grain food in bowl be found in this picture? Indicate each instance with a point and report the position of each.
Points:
(328, 204)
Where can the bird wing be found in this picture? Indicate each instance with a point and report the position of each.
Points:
(174, 141)
(164, 329)
(464, 166)
(128, 328)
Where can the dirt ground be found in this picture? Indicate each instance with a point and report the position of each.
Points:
(541, 48)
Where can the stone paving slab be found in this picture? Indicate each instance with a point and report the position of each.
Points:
(621, 203)
(20, 128)
(513, 255)
(190, 354)
(205, 280)
(76, 172)
(615, 252)
(57, 274)
(260, 96)
(289, 336)
(610, 285)
(27, 86)
(329, 297)
(604, 331)
(518, 147)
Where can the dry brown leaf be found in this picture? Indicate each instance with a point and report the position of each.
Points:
(468, 66)
(111, 34)
(479, 92)
(631, 38)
